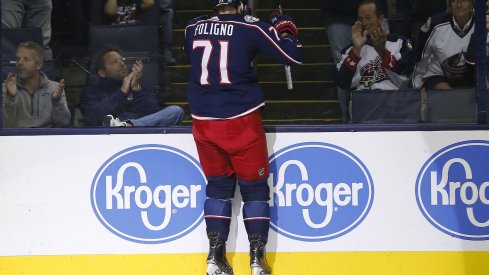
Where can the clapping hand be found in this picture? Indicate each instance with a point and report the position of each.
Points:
(10, 84)
(126, 82)
(378, 37)
(60, 89)
(359, 37)
(137, 69)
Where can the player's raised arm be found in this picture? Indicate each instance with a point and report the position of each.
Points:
(280, 40)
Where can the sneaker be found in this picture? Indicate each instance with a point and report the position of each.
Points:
(217, 264)
(258, 262)
(107, 120)
(118, 123)
(110, 121)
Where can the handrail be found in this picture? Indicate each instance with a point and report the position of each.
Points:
(268, 129)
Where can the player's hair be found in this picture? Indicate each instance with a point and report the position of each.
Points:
(231, 6)
(379, 8)
(99, 59)
(33, 46)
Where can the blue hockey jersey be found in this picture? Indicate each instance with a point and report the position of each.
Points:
(221, 48)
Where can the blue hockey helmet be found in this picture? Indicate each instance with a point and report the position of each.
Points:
(216, 3)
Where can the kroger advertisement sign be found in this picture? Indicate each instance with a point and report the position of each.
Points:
(321, 191)
(149, 194)
(144, 194)
(155, 193)
(452, 190)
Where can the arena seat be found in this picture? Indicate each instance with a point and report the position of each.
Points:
(452, 106)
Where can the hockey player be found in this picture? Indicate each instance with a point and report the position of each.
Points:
(224, 98)
(445, 48)
(376, 59)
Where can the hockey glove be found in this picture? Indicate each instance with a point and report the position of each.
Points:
(283, 23)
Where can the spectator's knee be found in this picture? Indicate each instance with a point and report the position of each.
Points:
(178, 113)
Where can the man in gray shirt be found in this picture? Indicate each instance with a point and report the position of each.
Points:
(30, 99)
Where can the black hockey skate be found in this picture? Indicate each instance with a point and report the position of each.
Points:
(258, 262)
(217, 264)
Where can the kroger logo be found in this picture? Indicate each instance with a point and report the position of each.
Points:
(452, 190)
(149, 194)
(321, 191)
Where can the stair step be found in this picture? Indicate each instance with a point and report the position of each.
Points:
(303, 110)
(314, 97)
(291, 111)
(308, 72)
(307, 36)
(312, 54)
(267, 72)
(290, 4)
(302, 17)
(303, 90)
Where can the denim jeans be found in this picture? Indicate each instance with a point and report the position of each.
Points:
(29, 14)
(169, 116)
(166, 21)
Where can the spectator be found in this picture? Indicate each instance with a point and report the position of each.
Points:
(421, 10)
(30, 99)
(339, 17)
(166, 21)
(376, 59)
(225, 97)
(119, 94)
(126, 11)
(445, 49)
(29, 14)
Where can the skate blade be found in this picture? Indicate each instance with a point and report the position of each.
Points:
(213, 269)
(257, 270)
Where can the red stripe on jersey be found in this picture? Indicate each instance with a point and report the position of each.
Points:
(351, 61)
(389, 61)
